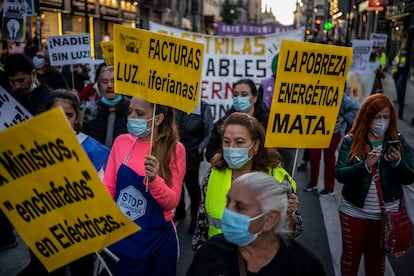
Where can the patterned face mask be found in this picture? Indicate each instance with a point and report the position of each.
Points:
(379, 127)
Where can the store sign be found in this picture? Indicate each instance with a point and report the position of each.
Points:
(375, 3)
(380, 8)
(30, 7)
(252, 29)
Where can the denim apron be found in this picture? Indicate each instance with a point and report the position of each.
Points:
(153, 250)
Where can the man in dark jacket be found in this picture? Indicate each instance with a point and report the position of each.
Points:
(195, 131)
(26, 88)
(112, 111)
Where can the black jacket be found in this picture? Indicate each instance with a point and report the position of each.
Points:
(220, 257)
(98, 126)
(54, 79)
(195, 131)
(36, 101)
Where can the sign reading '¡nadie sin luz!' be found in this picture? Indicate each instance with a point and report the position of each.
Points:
(160, 68)
(69, 49)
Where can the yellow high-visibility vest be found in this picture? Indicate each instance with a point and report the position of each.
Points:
(397, 63)
(219, 184)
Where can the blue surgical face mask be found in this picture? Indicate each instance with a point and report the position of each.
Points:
(379, 127)
(111, 102)
(38, 62)
(241, 104)
(32, 87)
(235, 227)
(138, 127)
(236, 157)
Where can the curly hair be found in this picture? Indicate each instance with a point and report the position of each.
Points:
(362, 124)
(265, 158)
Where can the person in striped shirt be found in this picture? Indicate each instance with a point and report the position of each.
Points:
(362, 158)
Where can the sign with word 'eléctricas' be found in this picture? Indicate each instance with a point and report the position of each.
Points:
(308, 93)
(161, 69)
(52, 194)
(69, 49)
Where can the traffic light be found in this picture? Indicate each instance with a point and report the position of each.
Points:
(318, 22)
(327, 25)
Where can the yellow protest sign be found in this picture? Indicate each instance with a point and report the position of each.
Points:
(159, 68)
(108, 51)
(52, 194)
(308, 92)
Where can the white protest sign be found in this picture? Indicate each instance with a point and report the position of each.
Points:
(361, 50)
(380, 40)
(11, 112)
(14, 21)
(228, 59)
(69, 49)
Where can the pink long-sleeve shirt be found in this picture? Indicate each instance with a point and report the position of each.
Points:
(167, 196)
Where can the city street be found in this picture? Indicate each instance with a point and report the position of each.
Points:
(321, 222)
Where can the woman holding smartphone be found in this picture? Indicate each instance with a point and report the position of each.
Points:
(363, 157)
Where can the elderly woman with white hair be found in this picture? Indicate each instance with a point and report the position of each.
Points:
(254, 234)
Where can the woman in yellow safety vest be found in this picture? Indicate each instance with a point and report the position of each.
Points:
(242, 151)
(398, 67)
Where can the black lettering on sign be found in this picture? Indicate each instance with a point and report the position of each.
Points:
(315, 63)
(46, 247)
(127, 73)
(309, 124)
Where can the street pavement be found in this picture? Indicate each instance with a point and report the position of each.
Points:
(320, 214)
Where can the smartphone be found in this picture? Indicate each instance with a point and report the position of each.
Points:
(392, 143)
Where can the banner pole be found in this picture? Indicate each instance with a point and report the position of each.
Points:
(295, 162)
(152, 138)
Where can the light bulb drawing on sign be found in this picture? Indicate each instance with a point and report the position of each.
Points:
(13, 27)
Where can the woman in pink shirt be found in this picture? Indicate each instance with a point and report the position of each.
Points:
(130, 169)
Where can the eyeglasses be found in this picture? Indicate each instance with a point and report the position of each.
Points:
(19, 80)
